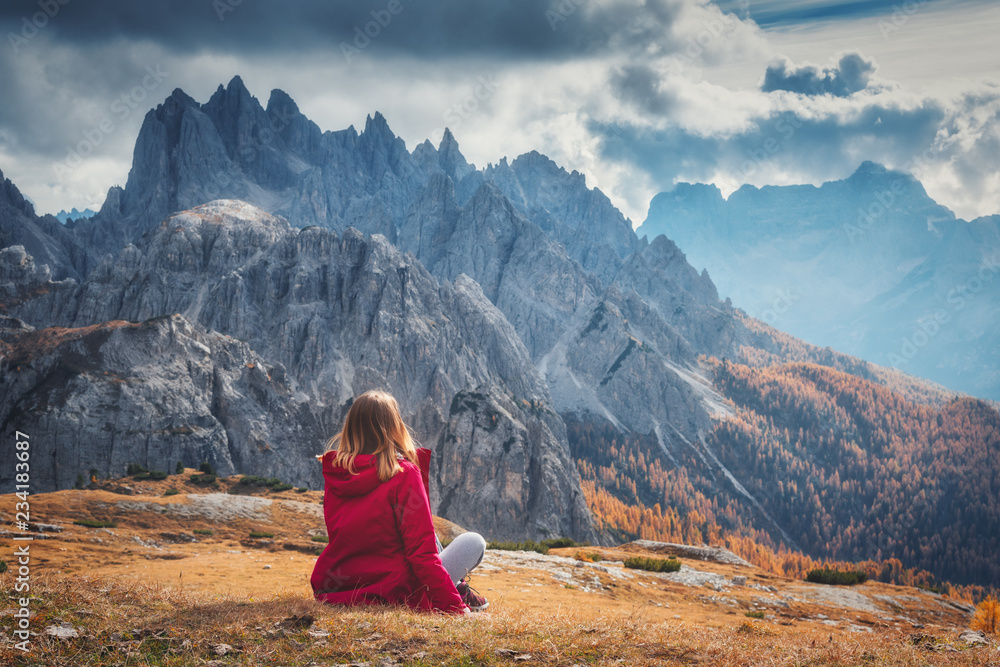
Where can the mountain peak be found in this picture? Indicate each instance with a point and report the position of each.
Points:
(279, 99)
(451, 158)
(181, 98)
(236, 86)
(869, 167)
(376, 122)
(235, 94)
(11, 196)
(447, 139)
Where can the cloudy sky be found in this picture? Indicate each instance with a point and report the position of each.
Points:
(637, 95)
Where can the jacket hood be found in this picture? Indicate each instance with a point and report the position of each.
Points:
(343, 483)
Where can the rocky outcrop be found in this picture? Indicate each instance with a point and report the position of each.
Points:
(154, 393)
(506, 436)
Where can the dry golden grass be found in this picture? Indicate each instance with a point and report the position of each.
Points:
(128, 622)
(139, 595)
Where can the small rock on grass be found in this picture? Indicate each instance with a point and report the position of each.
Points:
(974, 638)
(222, 649)
(64, 631)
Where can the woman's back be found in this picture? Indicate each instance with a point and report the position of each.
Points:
(382, 547)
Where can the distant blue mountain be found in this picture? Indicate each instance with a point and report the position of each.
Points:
(63, 215)
(869, 265)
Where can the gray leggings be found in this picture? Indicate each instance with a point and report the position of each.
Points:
(463, 555)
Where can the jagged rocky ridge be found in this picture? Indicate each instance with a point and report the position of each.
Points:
(546, 250)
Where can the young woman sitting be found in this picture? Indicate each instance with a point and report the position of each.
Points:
(382, 548)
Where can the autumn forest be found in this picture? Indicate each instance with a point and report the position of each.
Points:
(813, 466)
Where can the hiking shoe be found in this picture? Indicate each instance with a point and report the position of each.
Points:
(472, 599)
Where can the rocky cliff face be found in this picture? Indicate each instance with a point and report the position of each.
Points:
(339, 315)
(155, 393)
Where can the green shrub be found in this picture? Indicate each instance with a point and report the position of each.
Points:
(207, 468)
(179, 469)
(93, 523)
(203, 531)
(3, 566)
(653, 564)
(321, 538)
(260, 535)
(529, 545)
(560, 543)
(135, 469)
(80, 482)
(588, 556)
(826, 575)
(202, 478)
(95, 473)
(754, 614)
(272, 483)
(157, 475)
(171, 492)
(301, 490)
(250, 480)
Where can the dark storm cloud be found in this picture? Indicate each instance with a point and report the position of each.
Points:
(824, 148)
(516, 28)
(51, 103)
(640, 85)
(851, 75)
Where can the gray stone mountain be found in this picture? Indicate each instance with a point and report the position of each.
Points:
(337, 315)
(869, 265)
(543, 246)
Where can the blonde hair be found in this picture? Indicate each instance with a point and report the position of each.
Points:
(374, 426)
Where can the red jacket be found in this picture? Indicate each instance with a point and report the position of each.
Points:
(382, 547)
